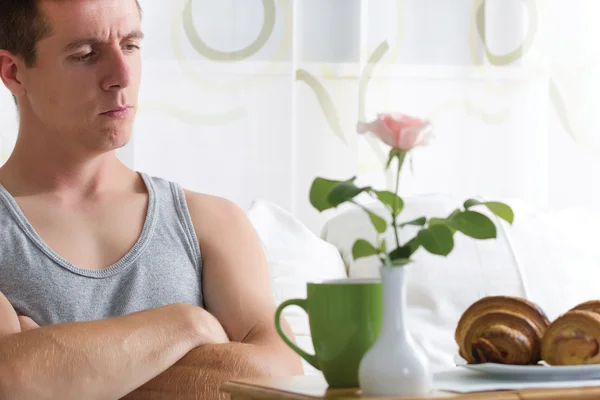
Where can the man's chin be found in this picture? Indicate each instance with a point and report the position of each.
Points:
(114, 138)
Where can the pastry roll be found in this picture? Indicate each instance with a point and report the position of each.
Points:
(501, 329)
(592, 305)
(572, 339)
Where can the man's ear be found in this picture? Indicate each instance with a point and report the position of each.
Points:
(9, 73)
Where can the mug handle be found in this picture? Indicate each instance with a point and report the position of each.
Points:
(311, 359)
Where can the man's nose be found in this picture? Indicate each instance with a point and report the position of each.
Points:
(118, 74)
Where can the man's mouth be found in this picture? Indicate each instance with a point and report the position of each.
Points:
(119, 112)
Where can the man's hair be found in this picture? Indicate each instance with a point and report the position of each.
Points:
(22, 26)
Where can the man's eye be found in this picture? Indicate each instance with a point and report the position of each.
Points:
(85, 57)
(130, 48)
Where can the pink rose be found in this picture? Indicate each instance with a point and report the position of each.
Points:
(398, 130)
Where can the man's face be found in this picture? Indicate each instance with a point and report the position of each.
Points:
(84, 84)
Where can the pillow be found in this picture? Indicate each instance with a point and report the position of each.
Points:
(295, 256)
(559, 254)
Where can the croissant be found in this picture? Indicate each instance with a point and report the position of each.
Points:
(592, 305)
(501, 329)
(572, 339)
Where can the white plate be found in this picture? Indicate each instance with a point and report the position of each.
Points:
(541, 371)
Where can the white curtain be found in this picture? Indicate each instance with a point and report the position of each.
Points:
(252, 99)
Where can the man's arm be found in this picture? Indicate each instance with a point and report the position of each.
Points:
(237, 291)
(202, 371)
(93, 360)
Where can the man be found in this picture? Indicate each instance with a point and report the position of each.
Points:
(141, 289)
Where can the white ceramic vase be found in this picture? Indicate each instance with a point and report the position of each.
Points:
(394, 365)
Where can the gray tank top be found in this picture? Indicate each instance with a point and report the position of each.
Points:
(163, 267)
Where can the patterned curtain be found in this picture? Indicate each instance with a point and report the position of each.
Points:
(252, 99)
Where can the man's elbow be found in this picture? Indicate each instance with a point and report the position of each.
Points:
(286, 369)
(282, 363)
(294, 368)
(293, 364)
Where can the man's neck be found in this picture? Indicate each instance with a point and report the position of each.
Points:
(31, 169)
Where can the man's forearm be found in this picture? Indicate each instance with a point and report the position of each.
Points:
(94, 360)
(201, 372)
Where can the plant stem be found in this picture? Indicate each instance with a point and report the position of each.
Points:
(401, 157)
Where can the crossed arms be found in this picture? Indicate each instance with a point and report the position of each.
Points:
(177, 351)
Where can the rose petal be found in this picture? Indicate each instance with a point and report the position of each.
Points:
(362, 127)
(408, 139)
(379, 129)
(398, 130)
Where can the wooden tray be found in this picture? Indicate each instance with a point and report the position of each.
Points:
(315, 387)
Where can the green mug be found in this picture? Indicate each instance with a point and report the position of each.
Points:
(345, 321)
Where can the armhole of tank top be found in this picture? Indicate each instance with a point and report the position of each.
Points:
(186, 221)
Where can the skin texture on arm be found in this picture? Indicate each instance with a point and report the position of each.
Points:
(237, 291)
(92, 360)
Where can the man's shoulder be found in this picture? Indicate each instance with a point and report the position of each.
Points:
(213, 215)
(218, 207)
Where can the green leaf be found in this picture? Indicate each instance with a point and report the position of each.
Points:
(401, 262)
(404, 252)
(378, 222)
(501, 210)
(437, 221)
(442, 221)
(320, 190)
(416, 222)
(362, 248)
(454, 213)
(394, 203)
(437, 239)
(383, 246)
(401, 252)
(344, 192)
(473, 224)
(471, 202)
(393, 154)
(413, 245)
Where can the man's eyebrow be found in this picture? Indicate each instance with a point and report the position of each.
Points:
(91, 41)
(135, 35)
(80, 43)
